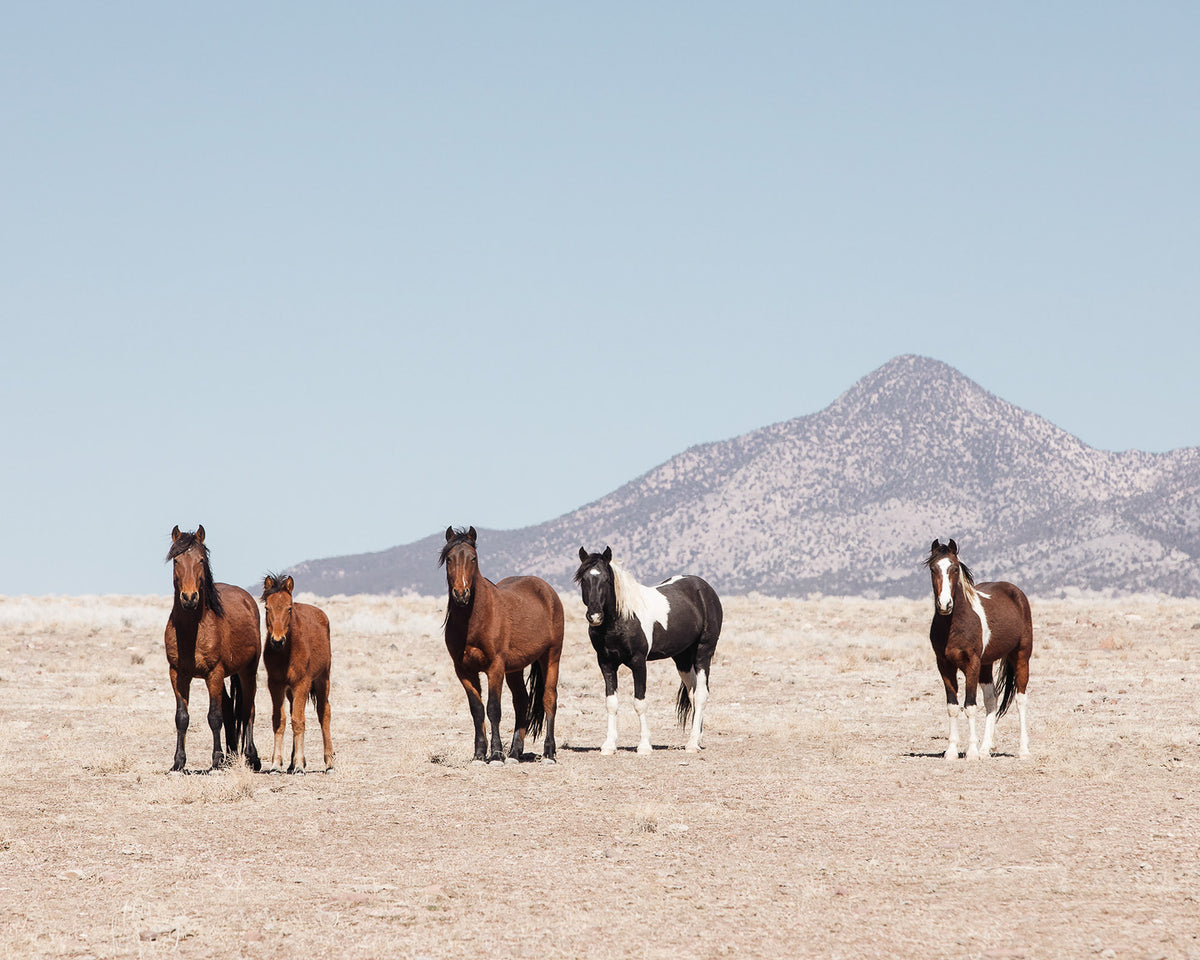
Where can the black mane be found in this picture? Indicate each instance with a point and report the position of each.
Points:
(278, 587)
(460, 536)
(186, 541)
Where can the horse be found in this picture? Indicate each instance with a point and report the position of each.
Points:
(297, 658)
(500, 629)
(629, 623)
(212, 633)
(975, 626)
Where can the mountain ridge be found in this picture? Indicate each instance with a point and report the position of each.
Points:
(847, 499)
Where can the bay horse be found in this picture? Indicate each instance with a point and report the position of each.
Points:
(297, 658)
(212, 633)
(499, 629)
(629, 623)
(975, 626)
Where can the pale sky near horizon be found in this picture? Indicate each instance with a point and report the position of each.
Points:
(328, 279)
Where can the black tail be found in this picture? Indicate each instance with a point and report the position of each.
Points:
(683, 705)
(1006, 686)
(537, 707)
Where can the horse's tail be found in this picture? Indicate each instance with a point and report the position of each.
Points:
(537, 707)
(683, 705)
(1006, 683)
(231, 704)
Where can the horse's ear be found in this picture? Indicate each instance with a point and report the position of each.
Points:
(288, 584)
(175, 534)
(471, 535)
(607, 554)
(583, 554)
(268, 583)
(933, 548)
(953, 547)
(449, 534)
(200, 533)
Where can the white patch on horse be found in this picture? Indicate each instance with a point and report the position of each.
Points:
(975, 599)
(670, 580)
(634, 600)
(945, 595)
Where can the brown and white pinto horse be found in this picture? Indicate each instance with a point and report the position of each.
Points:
(297, 658)
(500, 629)
(973, 627)
(212, 633)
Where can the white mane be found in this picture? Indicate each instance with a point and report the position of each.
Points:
(634, 600)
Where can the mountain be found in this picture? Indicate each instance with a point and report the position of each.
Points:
(846, 501)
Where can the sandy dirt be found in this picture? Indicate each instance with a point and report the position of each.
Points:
(820, 820)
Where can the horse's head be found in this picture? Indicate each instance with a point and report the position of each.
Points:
(192, 575)
(462, 564)
(595, 579)
(277, 600)
(946, 572)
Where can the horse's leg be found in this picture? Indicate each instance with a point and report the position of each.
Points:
(550, 701)
(949, 674)
(182, 687)
(470, 683)
(609, 672)
(495, 679)
(249, 681)
(520, 701)
(299, 699)
(639, 704)
(1022, 681)
(699, 699)
(276, 686)
(322, 705)
(970, 688)
(988, 687)
(216, 702)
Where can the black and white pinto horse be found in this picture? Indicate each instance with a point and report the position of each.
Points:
(629, 623)
(975, 626)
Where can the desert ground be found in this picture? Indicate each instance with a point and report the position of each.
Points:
(820, 820)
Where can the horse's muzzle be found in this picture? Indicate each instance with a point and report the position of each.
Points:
(275, 644)
(595, 619)
(190, 601)
(947, 609)
(461, 597)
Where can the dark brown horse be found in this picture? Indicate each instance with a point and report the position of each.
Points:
(297, 659)
(212, 633)
(500, 629)
(974, 626)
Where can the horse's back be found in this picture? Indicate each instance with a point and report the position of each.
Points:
(698, 593)
(240, 625)
(531, 603)
(314, 625)
(1008, 611)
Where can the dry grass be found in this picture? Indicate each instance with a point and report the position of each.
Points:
(819, 821)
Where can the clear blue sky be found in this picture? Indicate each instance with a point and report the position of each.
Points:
(328, 278)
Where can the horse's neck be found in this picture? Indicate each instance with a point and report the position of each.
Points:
(187, 622)
(461, 620)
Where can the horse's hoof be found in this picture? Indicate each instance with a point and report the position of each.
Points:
(645, 749)
(608, 750)
(496, 762)
(549, 760)
(297, 772)
(480, 761)
(951, 754)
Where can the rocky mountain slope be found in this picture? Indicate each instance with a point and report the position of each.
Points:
(846, 501)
